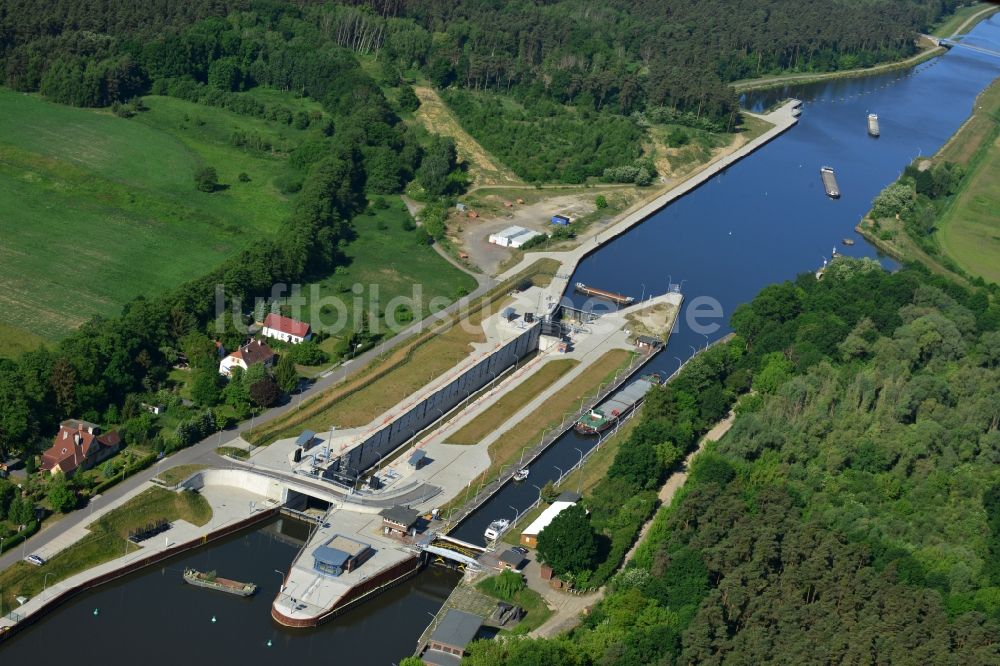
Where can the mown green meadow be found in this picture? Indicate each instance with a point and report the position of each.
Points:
(98, 209)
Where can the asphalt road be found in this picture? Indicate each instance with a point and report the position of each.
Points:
(203, 452)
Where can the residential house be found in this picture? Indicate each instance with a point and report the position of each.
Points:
(286, 329)
(79, 445)
(253, 352)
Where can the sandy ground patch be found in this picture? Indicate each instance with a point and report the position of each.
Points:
(437, 118)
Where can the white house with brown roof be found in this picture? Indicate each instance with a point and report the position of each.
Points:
(79, 445)
(286, 329)
(253, 352)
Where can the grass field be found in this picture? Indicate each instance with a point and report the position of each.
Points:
(387, 263)
(175, 475)
(474, 431)
(15, 341)
(98, 209)
(969, 231)
(948, 27)
(106, 541)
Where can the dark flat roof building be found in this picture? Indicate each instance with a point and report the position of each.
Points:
(398, 520)
(450, 638)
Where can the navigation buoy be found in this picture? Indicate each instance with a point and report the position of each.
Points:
(213, 619)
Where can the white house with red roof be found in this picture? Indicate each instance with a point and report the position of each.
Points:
(286, 329)
(254, 351)
(79, 445)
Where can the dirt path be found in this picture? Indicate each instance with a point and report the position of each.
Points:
(438, 118)
(568, 607)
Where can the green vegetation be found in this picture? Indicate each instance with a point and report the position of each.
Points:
(107, 540)
(488, 421)
(544, 141)
(136, 211)
(942, 210)
(969, 229)
(290, 176)
(389, 261)
(948, 26)
(569, 543)
(509, 586)
(176, 474)
(853, 502)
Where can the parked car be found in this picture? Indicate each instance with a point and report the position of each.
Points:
(520, 549)
(37, 560)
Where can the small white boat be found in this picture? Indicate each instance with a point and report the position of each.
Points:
(521, 474)
(496, 528)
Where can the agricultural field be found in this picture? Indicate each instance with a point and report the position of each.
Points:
(99, 209)
(970, 230)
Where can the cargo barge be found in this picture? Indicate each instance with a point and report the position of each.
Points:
(829, 182)
(614, 297)
(621, 403)
(873, 125)
(213, 582)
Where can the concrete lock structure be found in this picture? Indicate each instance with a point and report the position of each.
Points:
(366, 454)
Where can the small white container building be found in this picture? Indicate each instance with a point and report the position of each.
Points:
(513, 237)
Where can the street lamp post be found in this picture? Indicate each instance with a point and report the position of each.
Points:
(45, 583)
(579, 469)
(706, 340)
(680, 363)
(561, 474)
(516, 512)
(693, 350)
(281, 589)
(521, 459)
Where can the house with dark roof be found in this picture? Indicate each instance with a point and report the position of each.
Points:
(510, 559)
(253, 352)
(79, 445)
(450, 637)
(399, 521)
(286, 329)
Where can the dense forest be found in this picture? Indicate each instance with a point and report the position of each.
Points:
(629, 56)
(851, 515)
(616, 64)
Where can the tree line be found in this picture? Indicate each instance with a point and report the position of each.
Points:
(850, 515)
(359, 144)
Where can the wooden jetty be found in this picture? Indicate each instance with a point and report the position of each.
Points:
(614, 297)
(829, 182)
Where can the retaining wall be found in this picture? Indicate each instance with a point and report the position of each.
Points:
(402, 429)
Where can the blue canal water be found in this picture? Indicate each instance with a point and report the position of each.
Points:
(767, 218)
(764, 220)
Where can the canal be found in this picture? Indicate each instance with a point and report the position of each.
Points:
(764, 220)
(153, 617)
(767, 218)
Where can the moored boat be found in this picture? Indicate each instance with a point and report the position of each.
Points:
(521, 474)
(496, 528)
(621, 403)
(213, 582)
(873, 128)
